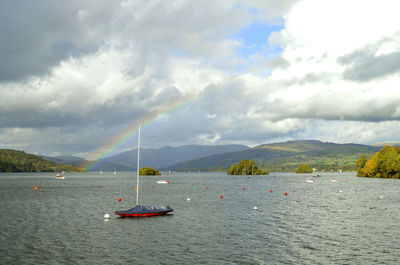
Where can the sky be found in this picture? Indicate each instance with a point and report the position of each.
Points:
(77, 77)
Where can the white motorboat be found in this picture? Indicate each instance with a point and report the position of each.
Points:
(60, 175)
(162, 181)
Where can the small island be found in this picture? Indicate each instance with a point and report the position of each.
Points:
(148, 171)
(246, 167)
(383, 164)
(305, 168)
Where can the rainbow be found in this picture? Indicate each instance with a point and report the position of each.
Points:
(132, 128)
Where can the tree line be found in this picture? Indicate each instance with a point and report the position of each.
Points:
(19, 161)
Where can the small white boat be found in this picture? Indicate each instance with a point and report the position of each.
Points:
(60, 175)
(310, 180)
(334, 180)
(115, 171)
(163, 181)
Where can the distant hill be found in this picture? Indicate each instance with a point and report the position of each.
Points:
(62, 159)
(157, 158)
(19, 161)
(384, 144)
(285, 156)
(163, 157)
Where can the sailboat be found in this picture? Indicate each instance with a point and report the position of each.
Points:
(138, 210)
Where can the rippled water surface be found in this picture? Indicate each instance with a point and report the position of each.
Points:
(354, 221)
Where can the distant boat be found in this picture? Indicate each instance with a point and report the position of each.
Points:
(163, 181)
(310, 180)
(101, 171)
(60, 175)
(115, 171)
(138, 210)
(334, 180)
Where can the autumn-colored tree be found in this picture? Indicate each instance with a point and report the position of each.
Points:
(383, 164)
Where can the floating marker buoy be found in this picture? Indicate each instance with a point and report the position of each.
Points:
(152, 187)
(101, 186)
(255, 208)
(206, 187)
(270, 191)
(106, 216)
(35, 191)
(244, 188)
(221, 197)
(135, 188)
(35, 188)
(119, 199)
(188, 199)
(285, 193)
(39, 186)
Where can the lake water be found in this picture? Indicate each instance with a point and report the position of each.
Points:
(354, 221)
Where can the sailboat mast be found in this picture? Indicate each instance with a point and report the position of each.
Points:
(138, 168)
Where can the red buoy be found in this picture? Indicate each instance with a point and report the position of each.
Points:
(222, 197)
(152, 187)
(39, 186)
(270, 191)
(285, 193)
(101, 186)
(119, 199)
(244, 188)
(206, 187)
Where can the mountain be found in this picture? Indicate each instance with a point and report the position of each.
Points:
(384, 144)
(19, 161)
(285, 156)
(163, 157)
(62, 159)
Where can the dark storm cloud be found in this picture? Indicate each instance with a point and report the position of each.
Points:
(37, 35)
(365, 65)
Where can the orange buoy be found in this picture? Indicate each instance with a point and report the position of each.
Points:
(135, 188)
(285, 193)
(35, 188)
(222, 197)
(119, 199)
(244, 188)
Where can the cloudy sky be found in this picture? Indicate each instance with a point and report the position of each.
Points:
(76, 77)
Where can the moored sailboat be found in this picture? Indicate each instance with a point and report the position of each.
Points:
(138, 210)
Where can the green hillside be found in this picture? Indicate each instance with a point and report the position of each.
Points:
(286, 156)
(19, 161)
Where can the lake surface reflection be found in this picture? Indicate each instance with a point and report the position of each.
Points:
(354, 221)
